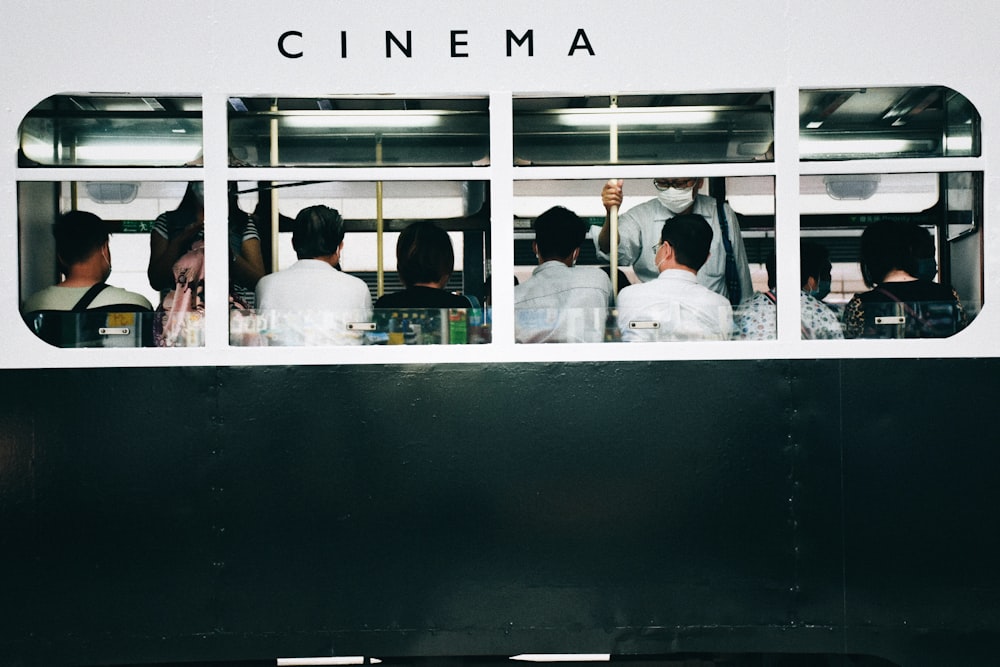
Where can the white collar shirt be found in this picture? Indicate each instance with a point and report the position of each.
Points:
(312, 303)
(673, 307)
(562, 304)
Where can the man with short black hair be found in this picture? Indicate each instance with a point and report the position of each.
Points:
(312, 302)
(675, 306)
(84, 256)
(561, 302)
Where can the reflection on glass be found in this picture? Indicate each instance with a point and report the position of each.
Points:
(358, 131)
(643, 129)
(98, 328)
(411, 326)
(924, 121)
(112, 131)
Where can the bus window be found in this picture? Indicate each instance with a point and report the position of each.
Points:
(559, 289)
(374, 216)
(643, 129)
(352, 131)
(127, 211)
(112, 131)
(924, 121)
(935, 218)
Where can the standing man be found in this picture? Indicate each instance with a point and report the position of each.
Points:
(726, 272)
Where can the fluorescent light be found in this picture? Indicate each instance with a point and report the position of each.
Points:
(563, 657)
(634, 116)
(858, 146)
(814, 125)
(109, 152)
(340, 660)
(334, 120)
(963, 144)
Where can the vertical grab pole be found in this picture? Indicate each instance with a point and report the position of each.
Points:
(275, 214)
(613, 213)
(379, 222)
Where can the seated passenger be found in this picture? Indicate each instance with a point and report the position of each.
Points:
(901, 304)
(757, 318)
(84, 258)
(425, 261)
(561, 303)
(675, 306)
(311, 302)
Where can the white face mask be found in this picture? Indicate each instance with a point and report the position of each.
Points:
(677, 199)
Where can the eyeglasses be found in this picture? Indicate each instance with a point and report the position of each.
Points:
(680, 183)
(656, 248)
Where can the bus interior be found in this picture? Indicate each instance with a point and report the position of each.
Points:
(289, 153)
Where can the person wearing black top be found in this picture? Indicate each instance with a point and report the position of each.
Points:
(901, 304)
(424, 261)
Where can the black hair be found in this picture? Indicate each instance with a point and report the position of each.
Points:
(923, 242)
(690, 236)
(424, 254)
(558, 232)
(814, 262)
(78, 234)
(888, 245)
(317, 232)
(771, 264)
(191, 202)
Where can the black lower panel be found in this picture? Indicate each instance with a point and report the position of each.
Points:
(196, 514)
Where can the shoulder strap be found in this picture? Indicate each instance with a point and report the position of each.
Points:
(732, 274)
(89, 297)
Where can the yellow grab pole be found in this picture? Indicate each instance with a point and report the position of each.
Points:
(275, 214)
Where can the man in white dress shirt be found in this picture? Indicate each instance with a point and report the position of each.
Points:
(311, 302)
(561, 302)
(675, 306)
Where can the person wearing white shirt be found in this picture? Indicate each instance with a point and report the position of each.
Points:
(561, 302)
(675, 306)
(312, 302)
(639, 229)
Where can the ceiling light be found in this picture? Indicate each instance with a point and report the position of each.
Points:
(635, 116)
(852, 186)
(375, 119)
(810, 147)
(125, 152)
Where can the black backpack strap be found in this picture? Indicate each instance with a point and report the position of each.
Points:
(732, 272)
(89, 297)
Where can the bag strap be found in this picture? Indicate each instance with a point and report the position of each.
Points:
(89, 297)
(907, 307)
(732, 274)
